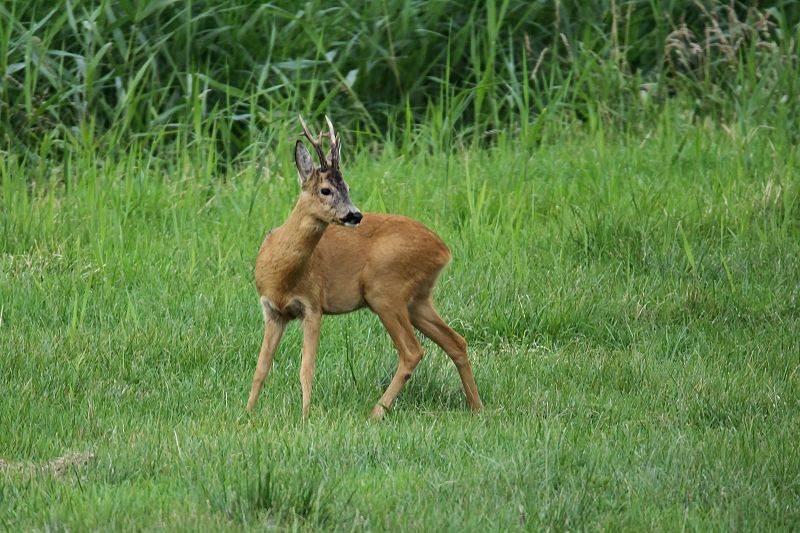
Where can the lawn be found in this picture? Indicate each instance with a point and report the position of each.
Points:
(631, 304)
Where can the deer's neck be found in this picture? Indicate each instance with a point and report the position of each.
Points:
(295, 245)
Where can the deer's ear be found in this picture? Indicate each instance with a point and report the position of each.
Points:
(303, 161)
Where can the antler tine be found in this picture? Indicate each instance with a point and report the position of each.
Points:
(331, 135)
(327, 160)
(315, 142)
(336, 151)
(334, 143)
(305, 128)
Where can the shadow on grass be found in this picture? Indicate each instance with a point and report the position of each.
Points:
(430, 388)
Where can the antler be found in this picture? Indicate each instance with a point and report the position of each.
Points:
(316, 142)
(335, 140)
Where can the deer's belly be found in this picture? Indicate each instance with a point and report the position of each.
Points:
(339, 305)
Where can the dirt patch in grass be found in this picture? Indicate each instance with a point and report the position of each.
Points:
(58, 466)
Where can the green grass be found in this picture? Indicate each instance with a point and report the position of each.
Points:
(168, 71)
(619, 191)
(630, 302)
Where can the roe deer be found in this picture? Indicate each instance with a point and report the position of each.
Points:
(327, 259)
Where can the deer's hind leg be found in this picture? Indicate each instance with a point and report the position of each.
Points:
(425, 318)
(396, 321)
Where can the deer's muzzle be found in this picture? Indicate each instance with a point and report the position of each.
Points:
(352, 219)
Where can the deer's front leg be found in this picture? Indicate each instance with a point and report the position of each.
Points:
(273, 331)
(311, 325)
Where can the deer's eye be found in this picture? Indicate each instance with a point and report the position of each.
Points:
(325, 191)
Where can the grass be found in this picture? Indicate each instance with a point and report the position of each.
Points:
(630, 302)
(617, 184)
(167, 72)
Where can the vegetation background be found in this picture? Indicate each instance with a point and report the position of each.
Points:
(617, 181)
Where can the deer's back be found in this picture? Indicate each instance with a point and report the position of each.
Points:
(383, 252)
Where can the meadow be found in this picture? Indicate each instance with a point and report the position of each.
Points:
(626, 274)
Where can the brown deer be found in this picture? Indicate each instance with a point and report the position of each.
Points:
(328, 258)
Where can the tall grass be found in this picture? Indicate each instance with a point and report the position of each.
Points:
(112, 73)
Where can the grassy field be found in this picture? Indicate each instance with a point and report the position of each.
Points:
(617, 181)
(631, 303)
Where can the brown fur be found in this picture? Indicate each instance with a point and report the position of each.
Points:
(346, 269)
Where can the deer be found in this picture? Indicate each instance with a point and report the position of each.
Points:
(328, 258)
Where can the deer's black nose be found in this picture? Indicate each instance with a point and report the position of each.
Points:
(353, 217)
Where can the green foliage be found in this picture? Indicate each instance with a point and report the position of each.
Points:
(110, 73)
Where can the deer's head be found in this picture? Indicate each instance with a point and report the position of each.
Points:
(324, 188)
